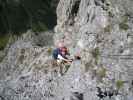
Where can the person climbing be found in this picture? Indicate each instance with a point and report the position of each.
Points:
(60, 54)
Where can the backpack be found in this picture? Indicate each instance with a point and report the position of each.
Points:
(55, 53)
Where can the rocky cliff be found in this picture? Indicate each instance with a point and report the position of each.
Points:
(100, 31)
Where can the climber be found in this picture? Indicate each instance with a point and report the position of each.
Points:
(60, 55)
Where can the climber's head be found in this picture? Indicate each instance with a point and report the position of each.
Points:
(64, 50)
(61, 44)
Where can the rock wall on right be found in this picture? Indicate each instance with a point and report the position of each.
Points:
(102, 32)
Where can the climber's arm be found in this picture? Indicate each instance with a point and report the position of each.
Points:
(62, 58)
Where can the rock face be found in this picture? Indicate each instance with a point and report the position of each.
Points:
(100, 31)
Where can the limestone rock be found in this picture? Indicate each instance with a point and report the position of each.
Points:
(100, 31)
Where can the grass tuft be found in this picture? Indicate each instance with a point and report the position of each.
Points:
(119, 84)
(49, 51)
(107, 28)
(102, 72)
(95, 54)
(123, 26)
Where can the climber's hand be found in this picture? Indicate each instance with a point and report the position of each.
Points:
(69, 60)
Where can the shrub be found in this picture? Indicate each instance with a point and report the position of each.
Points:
(39, 27)
(13, 38)
(123, 26)
(119, 84)
(110, 14)
(96, 54)
(3, 41)
(49, 51)
(124, 19)
(102, 72)
(107, 28)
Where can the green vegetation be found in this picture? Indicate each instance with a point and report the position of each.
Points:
(3, 41)
(102, 72)
(124, 19)
(39, 27)
(119, 84)
(13, 38)
(2, 55)
(21, 15)
(96, 54)
(110, 14)
(49, 51)
(107, 28)
(123, 24)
